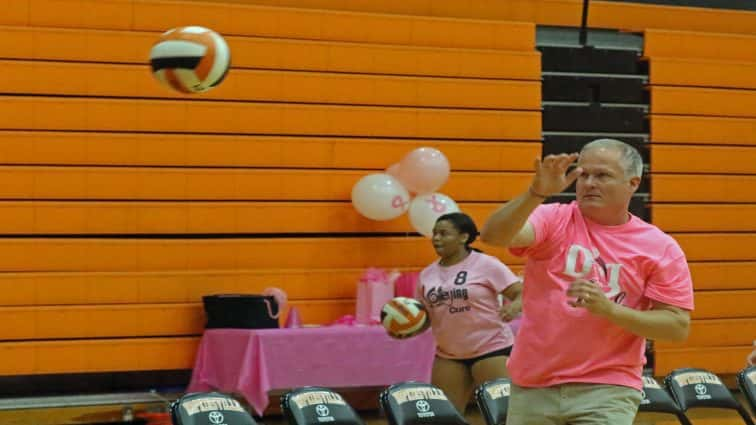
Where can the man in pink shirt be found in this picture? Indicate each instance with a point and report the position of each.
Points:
(600, 281)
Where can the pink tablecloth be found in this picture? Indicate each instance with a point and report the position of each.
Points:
(253, 362)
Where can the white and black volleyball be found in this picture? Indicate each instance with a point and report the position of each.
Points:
(190, 59)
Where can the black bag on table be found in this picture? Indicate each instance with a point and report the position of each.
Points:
(241, 311)
(209, 409)
(317, 405)
(416, 403)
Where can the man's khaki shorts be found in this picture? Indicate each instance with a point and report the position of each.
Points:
(573, 404)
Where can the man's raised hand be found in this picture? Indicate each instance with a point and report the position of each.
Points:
(551, 174)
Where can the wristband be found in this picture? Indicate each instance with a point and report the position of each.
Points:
(535, 194)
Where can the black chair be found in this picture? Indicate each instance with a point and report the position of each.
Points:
(747, 383)
(657, 399)
(317, 405)
(416, 403)
(492, 398)
(692, 388)
(209, 409)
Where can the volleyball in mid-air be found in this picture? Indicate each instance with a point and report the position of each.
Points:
(404, 317)
(190, 59)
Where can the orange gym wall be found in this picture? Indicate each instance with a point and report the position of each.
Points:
(703, 157)
(91, 145)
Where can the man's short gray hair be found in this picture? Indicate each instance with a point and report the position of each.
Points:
(629, 156)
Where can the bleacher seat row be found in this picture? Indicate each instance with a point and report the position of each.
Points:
(415, 403)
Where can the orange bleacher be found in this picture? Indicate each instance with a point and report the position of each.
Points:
(703, 184)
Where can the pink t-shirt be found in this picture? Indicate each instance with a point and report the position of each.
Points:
(464, 307)
(635, 263)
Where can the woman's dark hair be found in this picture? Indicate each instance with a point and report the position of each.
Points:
(464, 224)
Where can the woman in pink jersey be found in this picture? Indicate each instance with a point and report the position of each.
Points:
(461, 291)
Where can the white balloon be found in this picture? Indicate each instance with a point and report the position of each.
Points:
(380, 197)
(424, 210)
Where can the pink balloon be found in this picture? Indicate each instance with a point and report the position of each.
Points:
(393, 170)
(423, 170)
